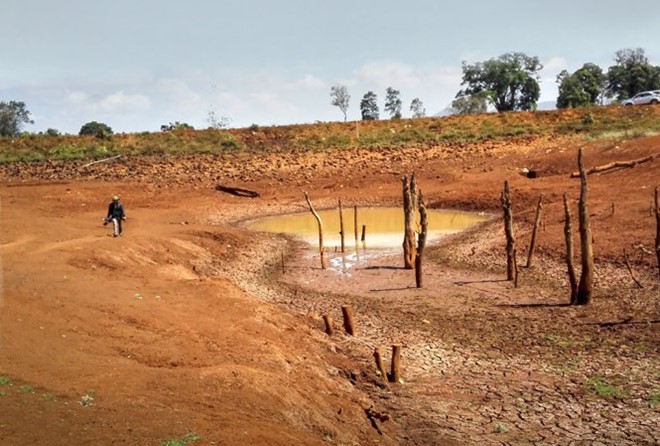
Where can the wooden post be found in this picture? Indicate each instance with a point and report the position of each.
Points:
(421, 241)
(364, 233)
(378, 357)
(348, 320)
(568, 236)
(283, 269)
(612, 208)
(657, 230)
(508, 231)
(409, 211)
(341, 226)
(585, 287)
(537, 223)
(355, 225)
(320, 224)
(395, 374)
(328, 324)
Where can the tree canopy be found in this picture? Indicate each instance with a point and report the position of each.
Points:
(97, 129)
(471, 105)
(13, 115)
(369, 107)
(631, 74)
(393, 103)
(417, 108)
(584, 87)
(510, 81)
(340, 98)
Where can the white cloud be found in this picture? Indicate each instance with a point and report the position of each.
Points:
(122, 101)
(385, 74)
(178, 92)
(308, 82)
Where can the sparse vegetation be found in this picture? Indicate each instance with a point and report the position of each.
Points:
(616, 123)
(188, 438)
(603, 389)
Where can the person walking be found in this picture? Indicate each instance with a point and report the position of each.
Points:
(116, 216)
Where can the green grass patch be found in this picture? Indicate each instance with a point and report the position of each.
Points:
(603, 389)
(188, 438)
(26, 389)
(654, 399)
(4, 381)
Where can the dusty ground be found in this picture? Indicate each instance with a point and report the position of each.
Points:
(188, 325)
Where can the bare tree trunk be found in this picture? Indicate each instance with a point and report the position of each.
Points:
(508, 231)
(537, 224)
(421, 241)
(395, 370)
(341, 226)
(320, 224)
(409, 210)
(568, 235)
(355, 224)
(657, 231)
(585, 287)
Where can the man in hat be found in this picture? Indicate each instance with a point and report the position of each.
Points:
(115, 215)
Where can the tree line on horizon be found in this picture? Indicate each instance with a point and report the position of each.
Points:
(509, 82)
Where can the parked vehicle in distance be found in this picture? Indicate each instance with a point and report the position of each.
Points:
(644, 97)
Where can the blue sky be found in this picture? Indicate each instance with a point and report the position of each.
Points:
(137, 64)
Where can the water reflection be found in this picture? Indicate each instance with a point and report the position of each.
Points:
(384, 226)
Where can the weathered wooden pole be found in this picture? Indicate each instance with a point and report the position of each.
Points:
(355, 225)
(320, 225)
(364, 234)
(537, 224)
(568, 236)
(409, 211)
(328, 324)
(585, 287)
(348, 320)
(657, 230)
(283, 268)
(341, 227)
(378, 357)
(395, 374)
(421, 240)
(515, 268)
(508, 232)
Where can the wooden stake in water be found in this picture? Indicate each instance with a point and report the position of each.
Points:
(341, 226)
(320, 224)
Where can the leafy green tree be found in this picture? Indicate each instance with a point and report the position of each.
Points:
(98, 129)
(393, 103)
(584, 87)
(510, 81)
(369, 107)
(417, 108)
(631, 74)
(471, 105)
(340, 98)
(53, 132)
(13, 115)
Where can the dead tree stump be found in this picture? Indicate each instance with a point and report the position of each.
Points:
(508, 232)
(395, 373)
(320, 225)
(409, 210)
(349, 327)
(421, 241)
(585, 287)
(378, 357)
(568, 236)
(328, 324)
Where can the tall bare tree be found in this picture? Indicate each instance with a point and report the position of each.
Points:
(585, 287)
(340, 98)
(409, 211)
(421, 241)
(508, 232)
